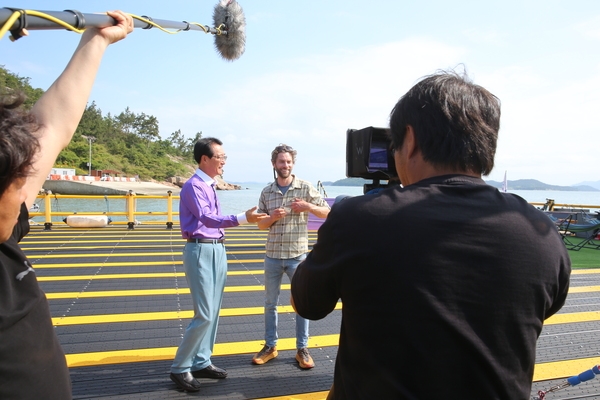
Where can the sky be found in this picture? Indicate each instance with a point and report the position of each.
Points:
(313, 69)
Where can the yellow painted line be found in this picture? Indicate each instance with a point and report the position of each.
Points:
(156, 316)
(130, 264)
(90, 255)
(245, 261)
(142, 239)
(235, 312)
(162, 316)
(134, 276)
(159, 229)
(563, 369)
(69, 248)
(139, 239)
(246, 252)
(584, 289)
(542, 372)
(139, 236)
(107, 264)
(300, 396)
(166, 253)
(120, 246)
(570, 318)
(585, 271)
(249, 272)
(167, 353)
(111, 276)
(150, 292)
(125, 239)
(155, 292)
(114, 293)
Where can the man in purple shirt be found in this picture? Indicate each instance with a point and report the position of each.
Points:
(205, 264)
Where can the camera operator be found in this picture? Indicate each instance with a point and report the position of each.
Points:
(446, 281)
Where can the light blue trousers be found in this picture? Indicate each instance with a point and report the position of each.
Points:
(274, 270)
(206, 272)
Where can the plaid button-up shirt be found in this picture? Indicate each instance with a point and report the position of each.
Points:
(288, 237)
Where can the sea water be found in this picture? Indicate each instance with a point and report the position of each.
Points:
(238, 201)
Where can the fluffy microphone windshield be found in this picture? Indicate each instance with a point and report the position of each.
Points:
(230, 14)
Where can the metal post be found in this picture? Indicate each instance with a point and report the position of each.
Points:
(90, 139)
(47, 210)
(169, 210)
(130, 210)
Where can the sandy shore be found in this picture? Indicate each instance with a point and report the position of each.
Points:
(118, 188)
(141, 188)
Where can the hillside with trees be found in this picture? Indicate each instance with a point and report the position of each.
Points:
(129, 143)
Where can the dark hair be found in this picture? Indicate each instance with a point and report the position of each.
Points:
(283, 148)
(455, 122)
(18, 144)
(203, 147)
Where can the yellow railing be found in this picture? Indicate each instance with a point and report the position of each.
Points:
(549, 205)
(130, 213)
(132, 210)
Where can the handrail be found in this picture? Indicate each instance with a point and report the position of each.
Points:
(566, 205)
(321, 188)
(131, 209)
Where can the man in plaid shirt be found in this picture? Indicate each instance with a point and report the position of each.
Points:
(287, 201)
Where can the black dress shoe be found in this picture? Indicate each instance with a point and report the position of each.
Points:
(185, 381)
(210, 372)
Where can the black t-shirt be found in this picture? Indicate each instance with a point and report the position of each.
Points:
(32, 363)
(445, 285)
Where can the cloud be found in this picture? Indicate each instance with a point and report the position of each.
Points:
(486, 36)
(590, 28)
(310, 102)
(547, 130)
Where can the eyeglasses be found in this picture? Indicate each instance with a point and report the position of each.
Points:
(221, 157)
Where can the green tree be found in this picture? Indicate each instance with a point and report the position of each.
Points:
(67, 159)
(189, 149)
(178, 142)
(147, 128)
(11, 83)
(129, 142)
(92, 123)
(141, 125)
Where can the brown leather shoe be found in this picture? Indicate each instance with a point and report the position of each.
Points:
(185, 381)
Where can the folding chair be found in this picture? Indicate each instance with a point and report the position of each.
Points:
(589, 226)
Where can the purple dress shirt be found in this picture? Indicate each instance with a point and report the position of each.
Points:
(199, 210)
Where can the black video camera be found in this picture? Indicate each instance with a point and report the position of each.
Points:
(369, 156)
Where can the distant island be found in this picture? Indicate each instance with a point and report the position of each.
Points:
(520, 184)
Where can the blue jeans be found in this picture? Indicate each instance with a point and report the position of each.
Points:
(206, 272)
(274, 270)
